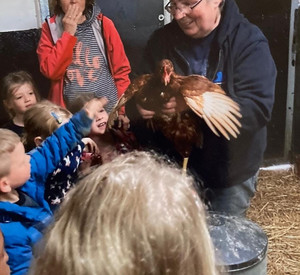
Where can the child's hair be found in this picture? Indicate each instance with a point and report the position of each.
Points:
(42, 120)
(8, 142)
(134, 215)
(13, 81)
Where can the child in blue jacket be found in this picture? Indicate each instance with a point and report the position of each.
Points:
(40, 121)
(4, 267)
(24, 213)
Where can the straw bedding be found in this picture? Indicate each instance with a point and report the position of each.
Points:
(276, 208)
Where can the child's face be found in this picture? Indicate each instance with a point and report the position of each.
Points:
(19, 168)
(99, 123)
(4, 267)
(22, 99)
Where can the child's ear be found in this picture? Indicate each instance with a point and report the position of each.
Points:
(4, 185)
(6, 104)
(38, 141)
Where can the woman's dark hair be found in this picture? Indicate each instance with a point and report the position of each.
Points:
(55, 6)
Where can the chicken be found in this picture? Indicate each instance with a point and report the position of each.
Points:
(206, 99)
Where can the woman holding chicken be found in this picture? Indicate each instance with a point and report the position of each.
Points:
(212, 38)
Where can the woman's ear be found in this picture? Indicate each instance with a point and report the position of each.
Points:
(38, 141)
(4, 185)
(217, 3)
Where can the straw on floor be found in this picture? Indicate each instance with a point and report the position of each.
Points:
(276, 208)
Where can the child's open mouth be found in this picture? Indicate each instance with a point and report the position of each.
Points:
(102, 124)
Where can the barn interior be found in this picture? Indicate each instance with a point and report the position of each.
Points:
(276, 206)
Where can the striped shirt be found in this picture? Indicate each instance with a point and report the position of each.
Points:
(89, 71)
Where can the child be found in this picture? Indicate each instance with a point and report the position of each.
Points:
(40, 121)
(134, 215)
(24, 213)
(81, 51)
(110, 142)
(19, 93)
(4, 267)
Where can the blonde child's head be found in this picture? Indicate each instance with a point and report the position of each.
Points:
(134, 215)
(14, 165)
(18, 92)
(8, 142)
(41, 120)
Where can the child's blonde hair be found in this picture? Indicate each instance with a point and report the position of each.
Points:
(134, 215)
(13, 81)
(42, 119)
(8, 142)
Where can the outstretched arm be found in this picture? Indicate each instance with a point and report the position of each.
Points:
(45, 158)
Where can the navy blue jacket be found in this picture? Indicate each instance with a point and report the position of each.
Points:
(240, 60)
(22, 226)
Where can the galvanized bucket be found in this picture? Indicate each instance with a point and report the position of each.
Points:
(240, 244)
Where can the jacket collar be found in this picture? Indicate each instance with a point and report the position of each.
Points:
(230, 19)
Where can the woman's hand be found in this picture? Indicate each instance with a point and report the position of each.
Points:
(146, 114)
(169, 107)
(175, 104)
(71, 19)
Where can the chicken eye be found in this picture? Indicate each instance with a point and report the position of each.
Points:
(162, 94)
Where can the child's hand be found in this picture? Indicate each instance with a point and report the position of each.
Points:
(95, 105)
(90, 146)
